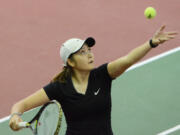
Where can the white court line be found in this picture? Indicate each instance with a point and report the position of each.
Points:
(132, 67)
(170, 130)
(154, 58)
(8, 117)
(4, 119)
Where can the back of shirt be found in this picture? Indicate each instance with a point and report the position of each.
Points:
(89, 113)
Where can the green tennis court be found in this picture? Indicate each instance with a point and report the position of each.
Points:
(145, 99)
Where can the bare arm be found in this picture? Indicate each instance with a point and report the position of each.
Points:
(117, 67)
(34, 100)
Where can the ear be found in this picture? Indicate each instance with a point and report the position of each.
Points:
(71, 62)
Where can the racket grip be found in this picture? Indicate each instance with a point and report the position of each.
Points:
(23, 124)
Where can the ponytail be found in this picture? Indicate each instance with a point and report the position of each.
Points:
(64, 74)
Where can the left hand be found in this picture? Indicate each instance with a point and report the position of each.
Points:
(160, 36)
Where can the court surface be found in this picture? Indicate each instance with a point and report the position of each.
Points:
(145, 98)
(33, 31)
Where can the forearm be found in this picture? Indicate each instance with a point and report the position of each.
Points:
(37, 99)
(138, 53)
(117, 67)
(18, 108)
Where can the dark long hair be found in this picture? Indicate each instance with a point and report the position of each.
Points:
(64, 74)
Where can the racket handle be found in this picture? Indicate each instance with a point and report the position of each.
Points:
(23, 124)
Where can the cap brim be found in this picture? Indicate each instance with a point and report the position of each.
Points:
(90, 41)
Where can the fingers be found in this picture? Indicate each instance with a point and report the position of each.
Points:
(171, 37)
(162, 27)
(168, 38)
(171, 33)
(160, 30)
(14, 126)
(164, 39)
(14, 123)
(167, 35)
(161, 36)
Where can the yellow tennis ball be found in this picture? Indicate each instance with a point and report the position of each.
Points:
(150, 12)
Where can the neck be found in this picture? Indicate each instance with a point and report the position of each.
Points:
(80, 76)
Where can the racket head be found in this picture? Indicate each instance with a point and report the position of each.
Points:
(48, 120)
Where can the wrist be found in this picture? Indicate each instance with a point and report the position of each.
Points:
(16, 113)
(153, 45)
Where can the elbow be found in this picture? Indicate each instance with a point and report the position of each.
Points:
(129, 62)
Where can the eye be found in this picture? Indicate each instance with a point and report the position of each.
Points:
(82, 51)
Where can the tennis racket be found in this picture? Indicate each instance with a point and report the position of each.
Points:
(47, 121)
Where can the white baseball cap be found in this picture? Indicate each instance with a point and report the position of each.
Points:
(73, 45)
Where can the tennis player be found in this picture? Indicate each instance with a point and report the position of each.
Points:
(84, 91)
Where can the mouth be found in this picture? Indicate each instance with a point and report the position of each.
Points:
(91, 62)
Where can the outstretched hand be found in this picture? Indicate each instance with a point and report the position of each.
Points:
(160, 36)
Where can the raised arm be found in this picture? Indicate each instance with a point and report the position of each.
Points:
(34, 100)
(117, 67)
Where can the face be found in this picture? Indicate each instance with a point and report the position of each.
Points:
(83, 59)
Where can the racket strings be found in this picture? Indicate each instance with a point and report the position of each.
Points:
(50, 120)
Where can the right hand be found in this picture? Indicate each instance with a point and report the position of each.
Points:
(13, 123)
(160, 36)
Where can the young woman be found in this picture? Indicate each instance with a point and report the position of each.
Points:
(83, 90)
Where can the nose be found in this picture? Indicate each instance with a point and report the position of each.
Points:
(90, 55)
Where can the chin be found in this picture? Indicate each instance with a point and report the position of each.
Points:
(89, 68)
(92, 67)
